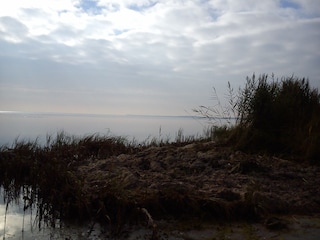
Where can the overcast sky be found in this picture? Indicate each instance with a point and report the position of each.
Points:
(146, 56)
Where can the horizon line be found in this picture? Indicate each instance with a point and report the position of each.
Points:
(94, 114)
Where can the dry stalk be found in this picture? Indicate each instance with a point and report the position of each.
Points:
(151, 223)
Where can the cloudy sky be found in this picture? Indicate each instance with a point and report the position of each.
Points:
(147, 56)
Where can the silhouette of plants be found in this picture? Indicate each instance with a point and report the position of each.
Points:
(279, 116)
(275, 116)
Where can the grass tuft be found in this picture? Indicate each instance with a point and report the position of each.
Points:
(279, 117)
(274, 116)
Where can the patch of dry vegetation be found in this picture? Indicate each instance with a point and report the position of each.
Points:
(50, 178)
(50, 171)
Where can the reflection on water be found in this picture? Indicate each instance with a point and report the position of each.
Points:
(37, 125)
(16, 222)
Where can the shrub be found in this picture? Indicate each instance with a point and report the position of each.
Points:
(279, 117)
(271, 116)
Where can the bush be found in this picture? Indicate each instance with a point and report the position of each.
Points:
(269, 116)
(280, 117)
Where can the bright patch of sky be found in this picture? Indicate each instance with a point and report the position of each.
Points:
(148, 57)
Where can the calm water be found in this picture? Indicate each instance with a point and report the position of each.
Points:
(30, 126)
(17, 223)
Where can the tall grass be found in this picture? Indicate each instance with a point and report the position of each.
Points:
(280, 116)
(222, 118)
(50, 172)
(277, 116)
(220, 115)
(46, 175)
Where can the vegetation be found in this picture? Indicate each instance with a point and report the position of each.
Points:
(222, 117)
(49, 170)
(272, 116)
(281, 117)
(47, 177)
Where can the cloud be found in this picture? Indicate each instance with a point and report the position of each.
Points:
(12, 29)
(143, 56)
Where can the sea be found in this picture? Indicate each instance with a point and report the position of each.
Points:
(31, 126)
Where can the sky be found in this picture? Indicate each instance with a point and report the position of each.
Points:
(148, 57)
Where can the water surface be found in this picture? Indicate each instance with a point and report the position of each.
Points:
(30, 126)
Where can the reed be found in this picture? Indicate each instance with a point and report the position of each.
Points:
(270, 115)
(279, 116)
(46, 175)
(50, 171)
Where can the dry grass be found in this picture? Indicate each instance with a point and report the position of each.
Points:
(49, 170)
(46, 175)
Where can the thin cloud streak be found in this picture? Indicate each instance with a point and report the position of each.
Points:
(148, 57)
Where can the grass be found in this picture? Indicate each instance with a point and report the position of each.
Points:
(49, 169)
(220, 115)
(280, 116)
(46, 174)
(271, 116)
